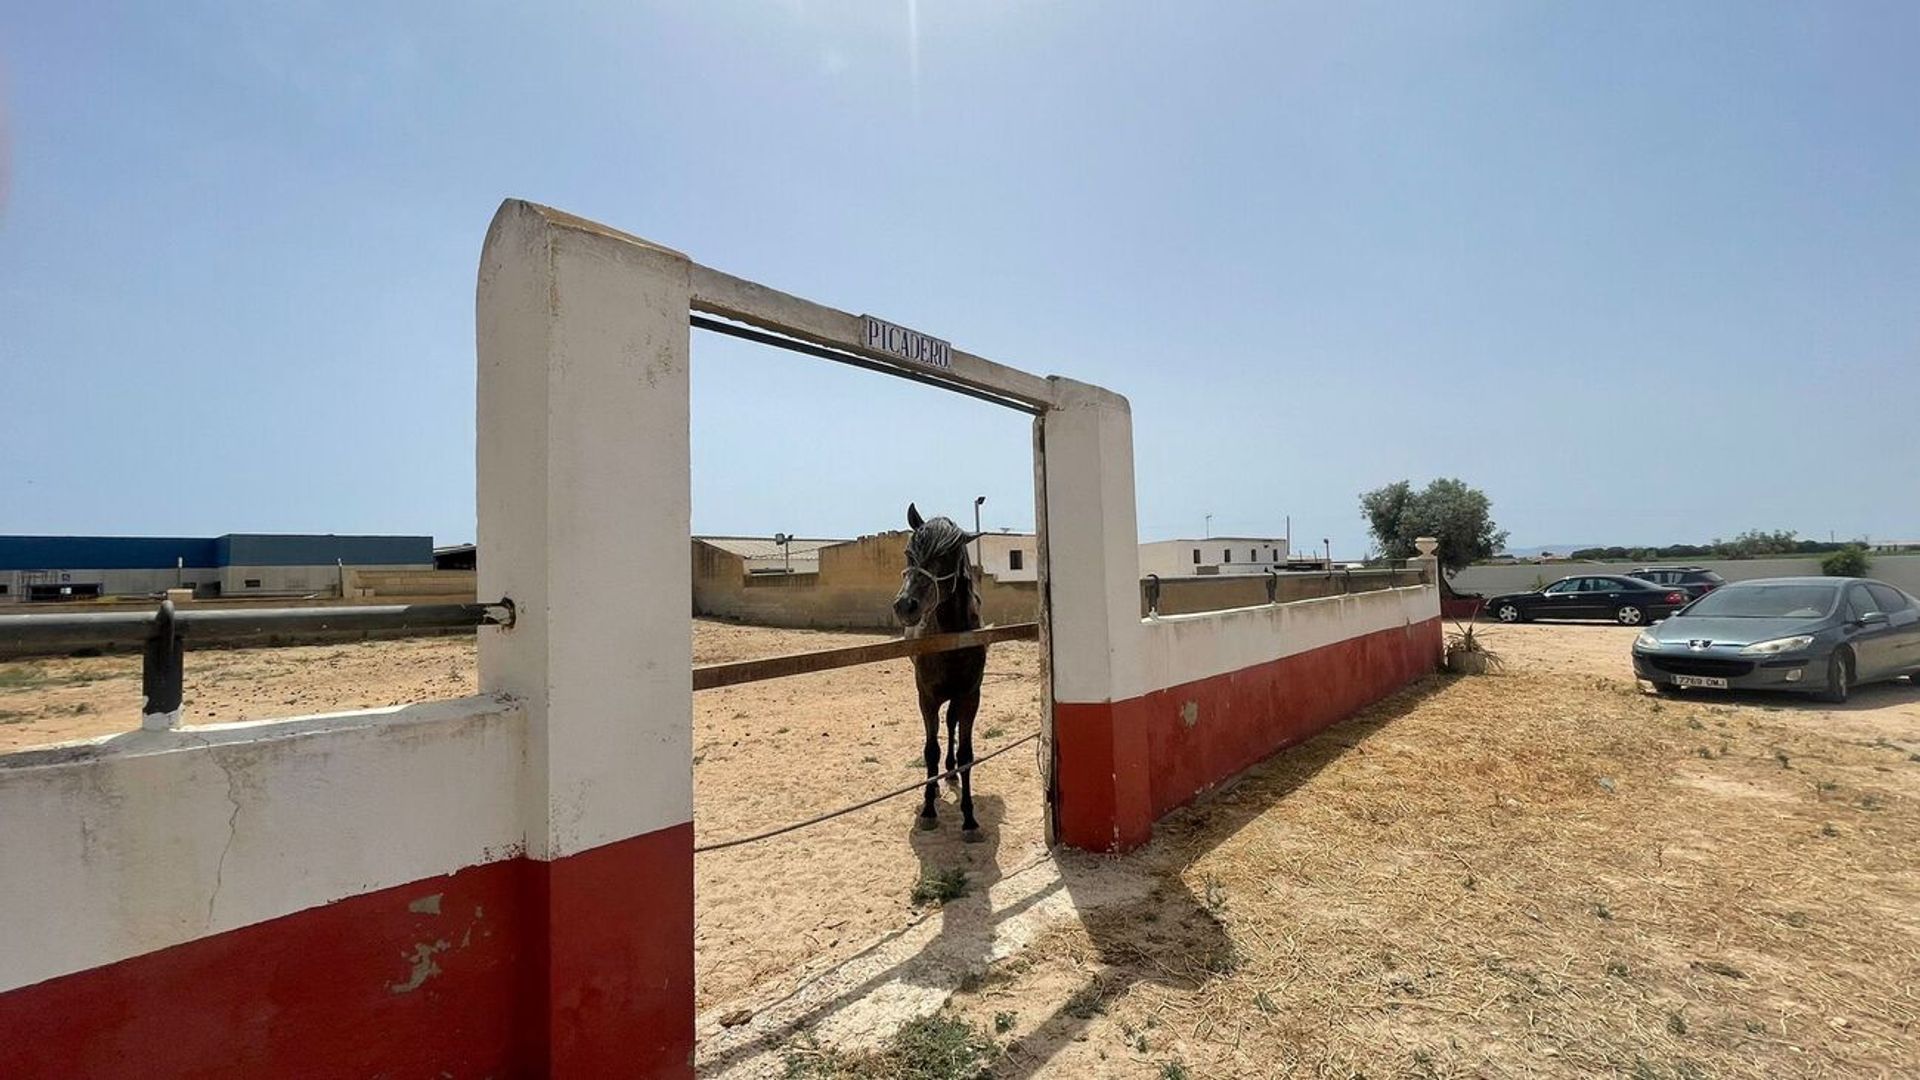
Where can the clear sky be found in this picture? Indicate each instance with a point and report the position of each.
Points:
(1643, 272)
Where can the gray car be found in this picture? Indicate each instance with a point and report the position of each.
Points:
(1807, 634)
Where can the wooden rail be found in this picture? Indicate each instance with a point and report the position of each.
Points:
(713, 676)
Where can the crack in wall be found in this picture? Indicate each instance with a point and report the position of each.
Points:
(233, 821)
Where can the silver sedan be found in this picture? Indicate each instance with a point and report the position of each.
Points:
(1812, 635)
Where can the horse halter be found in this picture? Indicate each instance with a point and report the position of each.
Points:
(938, 579)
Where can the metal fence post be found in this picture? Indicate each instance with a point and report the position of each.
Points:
(162, 672)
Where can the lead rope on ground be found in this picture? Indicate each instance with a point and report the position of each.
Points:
(830, 815)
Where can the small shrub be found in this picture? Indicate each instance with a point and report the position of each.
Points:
(1849, 561)
(1173, 1070)
(1676, 1023)
(1002, 1022)
(993, 732)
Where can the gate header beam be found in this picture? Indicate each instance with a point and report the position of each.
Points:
(744, 301)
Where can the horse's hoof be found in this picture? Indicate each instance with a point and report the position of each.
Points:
(926, 822)
(973, 836)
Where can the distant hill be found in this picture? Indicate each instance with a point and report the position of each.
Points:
(1537, 550)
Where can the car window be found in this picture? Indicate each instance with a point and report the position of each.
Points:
(1566, 585)
(1603, 584)
(1886, 597)
(1859, 602)
(1708, 575)
(1782, 600)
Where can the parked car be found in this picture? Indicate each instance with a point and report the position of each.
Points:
(1808, 634)
(1628, 601)
(1695, 581)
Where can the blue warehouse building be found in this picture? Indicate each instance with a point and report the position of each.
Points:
(237, 564)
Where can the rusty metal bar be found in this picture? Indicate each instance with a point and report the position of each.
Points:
(714, 676)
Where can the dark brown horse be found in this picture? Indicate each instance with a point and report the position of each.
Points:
(936, 597)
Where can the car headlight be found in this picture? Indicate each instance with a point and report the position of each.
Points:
(1646, 641)
(1778, 646)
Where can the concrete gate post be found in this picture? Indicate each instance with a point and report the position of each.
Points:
(583, 489)
(1103, 801)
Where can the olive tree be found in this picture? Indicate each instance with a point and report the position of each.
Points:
(1458, 516)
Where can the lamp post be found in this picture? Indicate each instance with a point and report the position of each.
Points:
(786, 552)
(1208, 533)
(977, 500)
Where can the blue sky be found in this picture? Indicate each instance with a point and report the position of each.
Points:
(1642, 272)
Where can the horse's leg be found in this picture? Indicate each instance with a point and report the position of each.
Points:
(930, 717)
(965, 707)
(953, 747)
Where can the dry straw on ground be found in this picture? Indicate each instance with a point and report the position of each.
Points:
(1521, 874)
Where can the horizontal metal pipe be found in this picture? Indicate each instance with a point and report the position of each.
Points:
(209, 627)
(714, 676)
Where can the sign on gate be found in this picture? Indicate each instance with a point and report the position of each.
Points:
(883, 336)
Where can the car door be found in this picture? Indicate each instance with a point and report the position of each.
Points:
(1557, 601)
(1872, 641)
(1594, 599)
(1903, 627)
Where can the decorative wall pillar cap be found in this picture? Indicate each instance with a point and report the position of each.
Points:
(1427, 545)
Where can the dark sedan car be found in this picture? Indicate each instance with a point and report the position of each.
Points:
(1628, 601)
(1809, 634)
(1695, 581)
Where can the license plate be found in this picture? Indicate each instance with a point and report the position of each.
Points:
(1700, 680)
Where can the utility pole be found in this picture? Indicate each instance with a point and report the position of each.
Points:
(1329, 547)
(1208, 535)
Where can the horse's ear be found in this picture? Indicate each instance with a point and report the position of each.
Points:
(969, 538)
(914, 520)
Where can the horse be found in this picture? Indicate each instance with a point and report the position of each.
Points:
(936, 597)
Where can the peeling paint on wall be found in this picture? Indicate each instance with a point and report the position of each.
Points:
(424, 967)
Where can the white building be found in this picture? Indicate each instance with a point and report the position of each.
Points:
(1009, 556)
(1214, 555)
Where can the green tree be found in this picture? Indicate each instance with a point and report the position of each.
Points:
(1458, 516)
(1849, 561)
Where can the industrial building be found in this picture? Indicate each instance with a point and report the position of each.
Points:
(56, 568)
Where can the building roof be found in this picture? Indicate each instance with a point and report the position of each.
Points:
(761, 547)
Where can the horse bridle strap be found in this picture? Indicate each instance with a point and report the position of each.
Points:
(937, 579)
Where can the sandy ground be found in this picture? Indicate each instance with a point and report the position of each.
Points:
(765, 754)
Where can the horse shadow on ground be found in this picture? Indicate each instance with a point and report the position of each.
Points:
(950, 869)
(1171, 937)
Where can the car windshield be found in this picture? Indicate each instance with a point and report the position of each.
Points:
(1766, 602)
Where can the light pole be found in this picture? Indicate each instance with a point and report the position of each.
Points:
(786, 552)
(1208, 533)
(977, 500)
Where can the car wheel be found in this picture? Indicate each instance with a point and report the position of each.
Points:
(1839, 678)
(1508, 613)
(1629, 615)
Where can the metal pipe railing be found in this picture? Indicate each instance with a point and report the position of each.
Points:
(163, 635)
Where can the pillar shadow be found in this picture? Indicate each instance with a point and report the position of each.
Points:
(1173, 938)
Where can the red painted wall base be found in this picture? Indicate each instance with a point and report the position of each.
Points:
(580, 967)
(1123, 765)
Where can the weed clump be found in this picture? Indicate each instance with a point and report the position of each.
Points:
(940, 887)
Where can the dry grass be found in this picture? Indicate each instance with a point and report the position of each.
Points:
(1538, 874)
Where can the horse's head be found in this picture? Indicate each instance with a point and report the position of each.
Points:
(936, 563)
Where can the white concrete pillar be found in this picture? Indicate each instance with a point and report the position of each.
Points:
(1093, 588)
(584, 496)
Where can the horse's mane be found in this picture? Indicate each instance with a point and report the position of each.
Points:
(934, 539)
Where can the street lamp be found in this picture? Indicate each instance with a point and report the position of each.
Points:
(1208, 534)
(977, 500)
(786, 552)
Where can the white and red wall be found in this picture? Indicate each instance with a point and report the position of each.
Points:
(1148, 713)
(502, 885)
